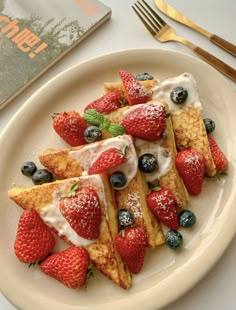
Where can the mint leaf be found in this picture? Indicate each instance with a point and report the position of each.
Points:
(116, 129)
(105, 124)
(93, 117)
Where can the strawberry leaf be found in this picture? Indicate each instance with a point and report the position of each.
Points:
(72, 191)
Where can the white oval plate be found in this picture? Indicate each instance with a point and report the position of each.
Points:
(166, 274)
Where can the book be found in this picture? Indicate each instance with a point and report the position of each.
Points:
(34, 35)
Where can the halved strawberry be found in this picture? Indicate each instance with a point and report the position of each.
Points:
(70, 126)
(82, 210)
(135, 91)
(190, 164)
(163, 205)
(131, 243)
(219, 158)
(107, 103)
(147, 122)
(110, 158)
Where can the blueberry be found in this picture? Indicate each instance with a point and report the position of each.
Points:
(126, 218)
(187, 218)
(179, 94)
(28, 168)
(41, 176)
(118, 179)
(174, 239)
(209, 125)
(147, 163)
(144, 76)
(92, 134)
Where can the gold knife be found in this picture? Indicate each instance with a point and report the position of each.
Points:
(179, 17)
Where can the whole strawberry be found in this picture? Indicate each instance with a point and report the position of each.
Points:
(163, 205)
(110, 158)
(70, 126)
(131, 244)
(219, 158)
(146, 122)
(69, 266)
(107, 103)
(190, 164)
(82, 210)
(34, 240)
(135, 91)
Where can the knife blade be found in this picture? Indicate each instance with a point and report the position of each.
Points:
(179, 17)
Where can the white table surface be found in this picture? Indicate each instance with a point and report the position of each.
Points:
(123, 31)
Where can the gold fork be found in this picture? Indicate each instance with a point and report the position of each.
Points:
(162, 32)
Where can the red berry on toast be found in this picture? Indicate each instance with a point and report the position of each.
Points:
(107, 103)
(191, 166)
(70, 126)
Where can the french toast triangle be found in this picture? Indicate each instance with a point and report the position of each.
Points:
(186, 117)
(45, 200)
(75, 161)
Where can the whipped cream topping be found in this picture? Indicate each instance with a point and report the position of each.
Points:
(163, 89)
(53, 217)
(162, 154)
(89, 154)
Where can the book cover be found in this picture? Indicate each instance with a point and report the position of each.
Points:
(34, 35)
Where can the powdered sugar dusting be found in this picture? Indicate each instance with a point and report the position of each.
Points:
(133, 202)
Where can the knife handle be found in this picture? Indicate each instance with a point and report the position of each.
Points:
(215, 62)
(229, 47)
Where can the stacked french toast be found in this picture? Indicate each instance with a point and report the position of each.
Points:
(134, 157)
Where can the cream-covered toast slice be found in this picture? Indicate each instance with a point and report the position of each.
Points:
(76, 161)
(45, 199)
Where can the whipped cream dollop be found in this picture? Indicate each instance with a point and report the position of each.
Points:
(186, 80)
(53, 217)
(87, 155)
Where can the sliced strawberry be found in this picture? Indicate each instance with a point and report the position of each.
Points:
(191, 166)
(34, 239)
(131, 243)
(219, 158)
(70, 126)
(69, 266)
(163, 205)
(107, 103)
(110, 158)
(146, 122)
(135, 91)
(82, 210)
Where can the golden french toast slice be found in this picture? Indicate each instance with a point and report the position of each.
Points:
(45, 199)
(76, 161)
(164, 150)
(186, 117)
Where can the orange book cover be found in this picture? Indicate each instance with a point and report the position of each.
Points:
(34, 35)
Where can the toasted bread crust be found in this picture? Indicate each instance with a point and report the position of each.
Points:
(190, 132)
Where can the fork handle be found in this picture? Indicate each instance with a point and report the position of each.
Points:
(215, 62)
(229, 47)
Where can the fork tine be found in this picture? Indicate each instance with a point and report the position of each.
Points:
(147, 25)
(148, 14)
(161, 21)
